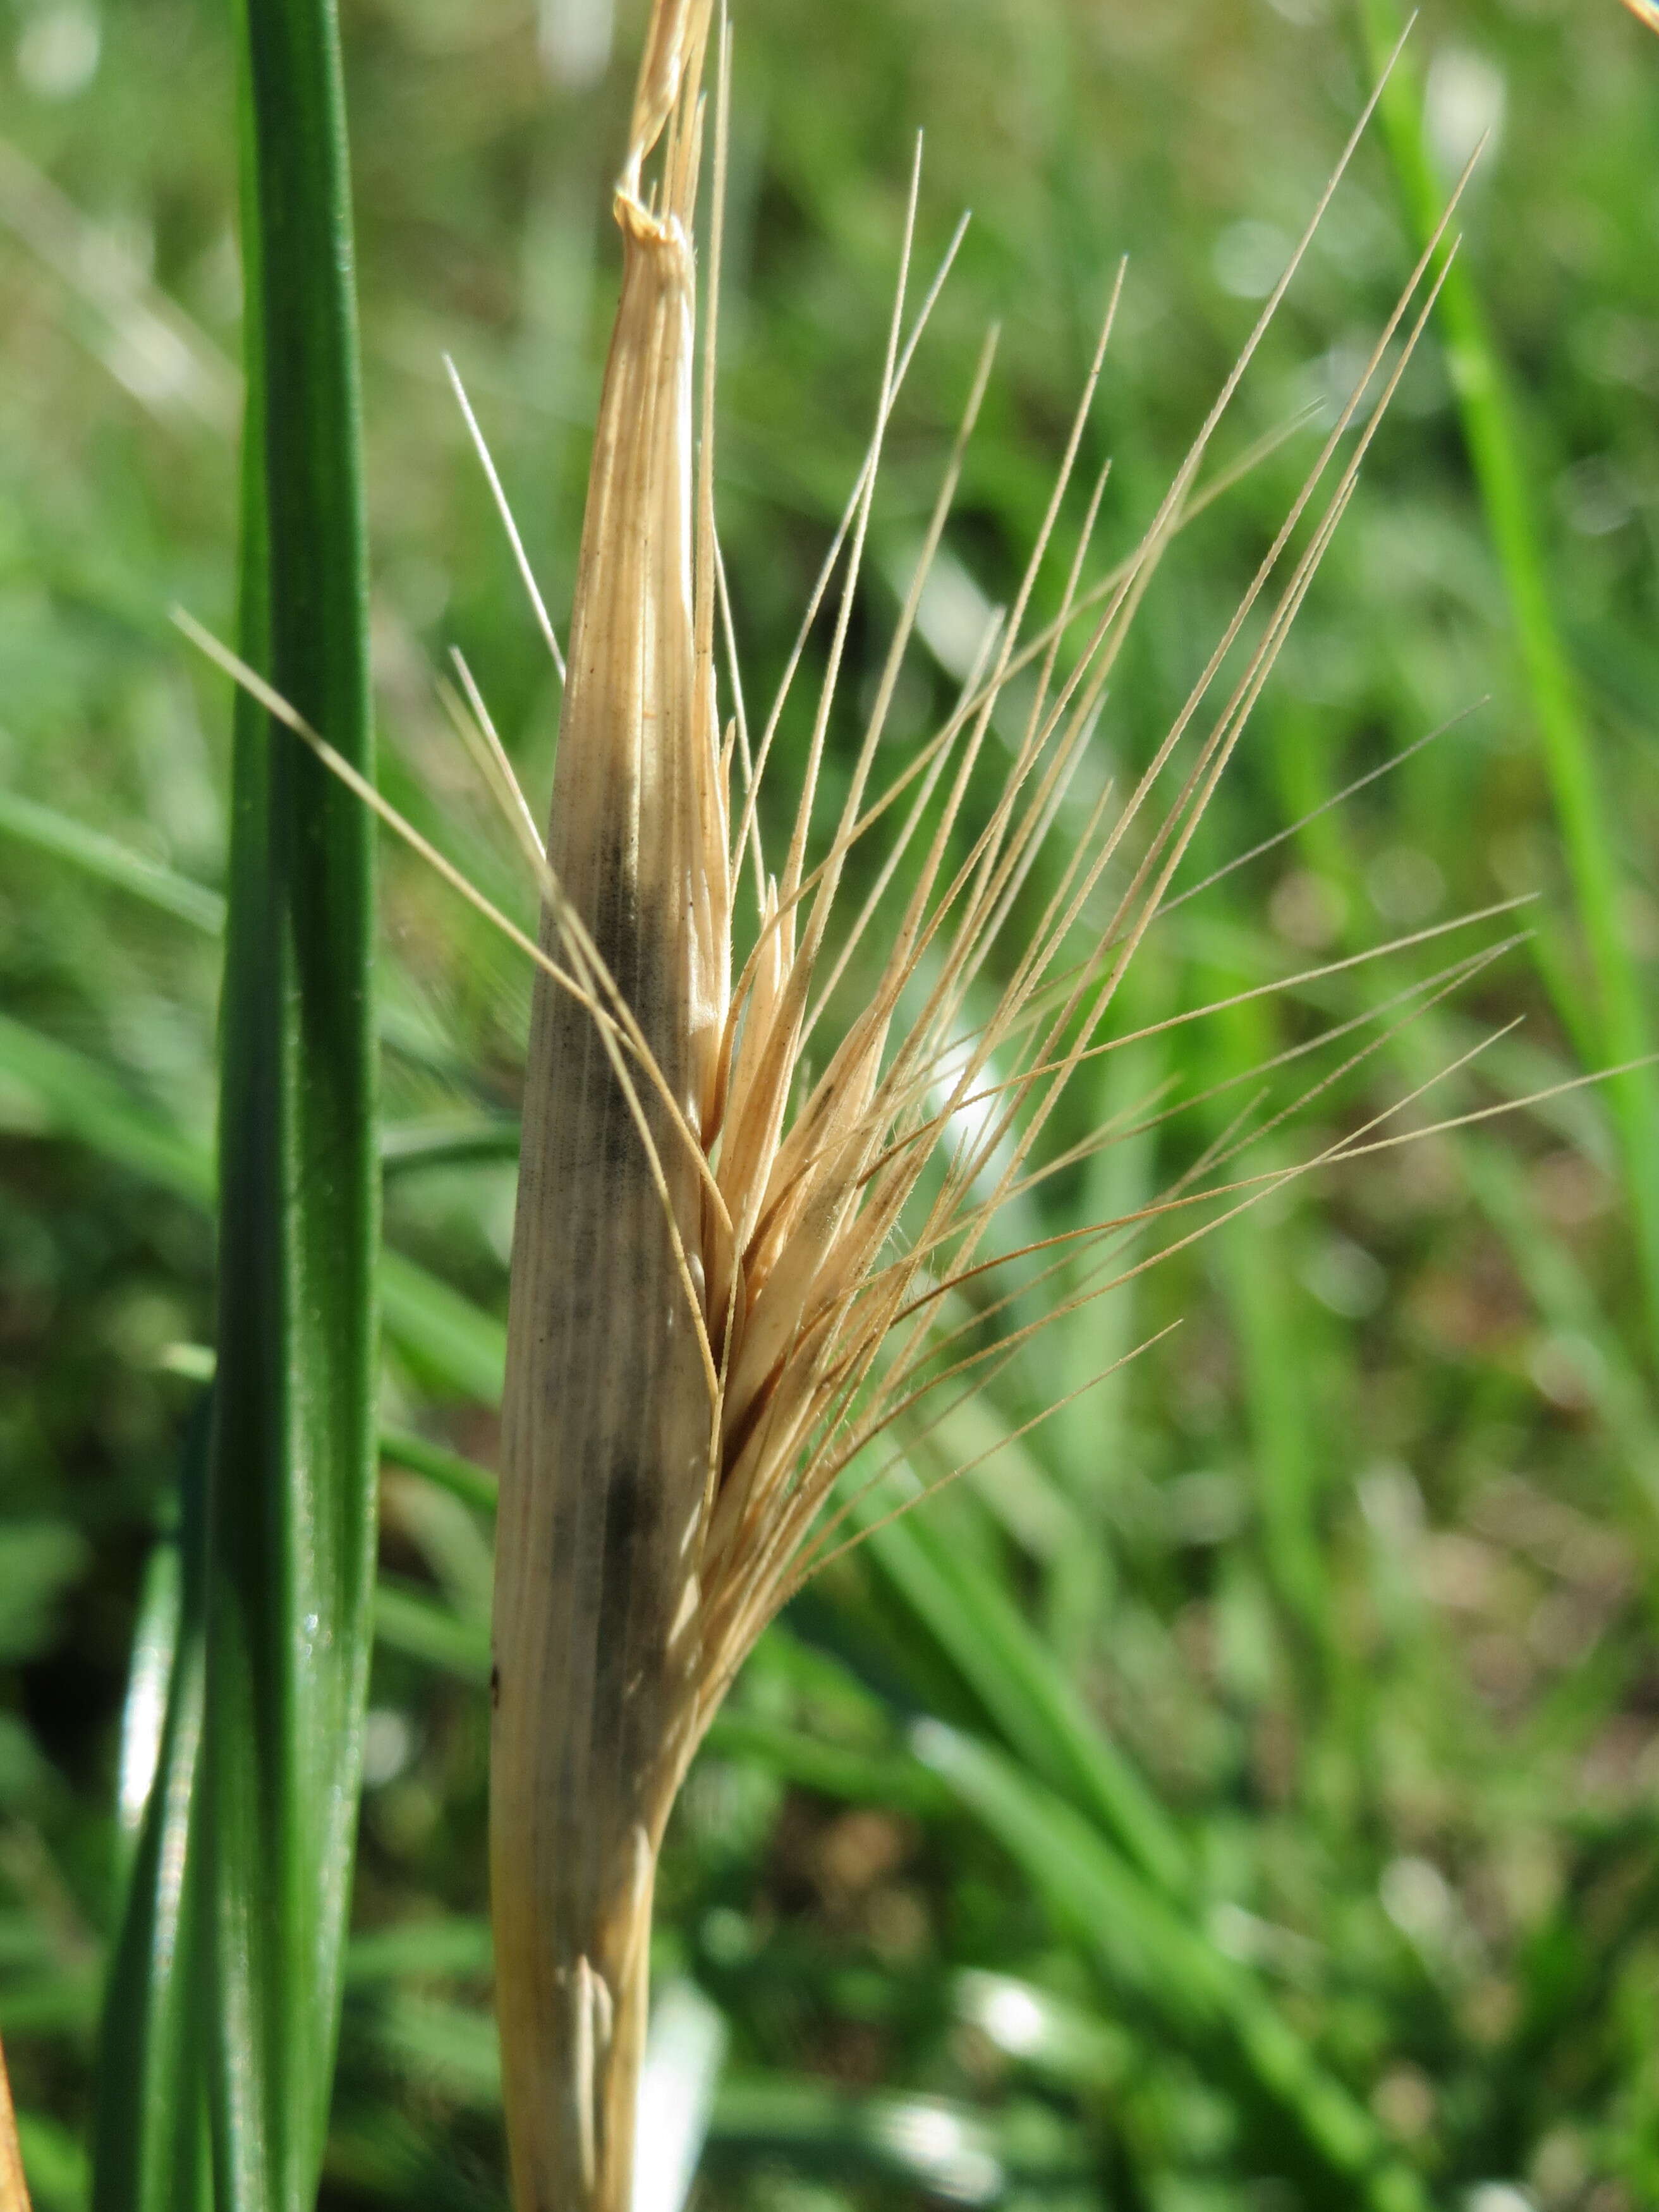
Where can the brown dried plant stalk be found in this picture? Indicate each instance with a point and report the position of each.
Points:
(731, 1278)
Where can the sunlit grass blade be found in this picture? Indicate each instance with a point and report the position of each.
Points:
(292, 1452)
(951, 1599)
(930, 2148)
(1167, 1971)
(55, 2162)
(462, 1478)
(433, 2044)
(1618, 1028)
(155, 1637)
(1567, 1302)
(412, 1621)
(1073, 1812)
(460, 1349)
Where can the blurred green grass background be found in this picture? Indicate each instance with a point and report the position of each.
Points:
(1305, 1672)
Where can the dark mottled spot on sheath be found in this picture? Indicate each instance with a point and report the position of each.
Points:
(617, 1137)
(494, 1687)
(629, 1569)
(615, 919)
(617, 925)
(622, 1511)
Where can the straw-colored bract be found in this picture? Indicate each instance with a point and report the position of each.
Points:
(606, 1440)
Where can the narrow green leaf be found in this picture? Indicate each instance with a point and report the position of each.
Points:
(54, 2163)
(454, 1142)
(292, 1452)
(936, 2145)
(1149, 1948)
(931, 2145)
(860, 1777)
(149, 2125)
(149, 1688)
(83, 1100)
(410, 1621)
(473, 1485)
(1060, 2042)
(1290, 1464)
(1565, 1299)
(423, 1950)
(456, 1345)
(453, 2047)
(63, 2001)
(110, 862)
(459, 1347)
(403, 1026)
(1020, 1688)
(1156, 1960)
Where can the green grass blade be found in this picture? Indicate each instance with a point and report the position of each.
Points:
(411, 1621)
(149, 2127)
(419, 1949)
(149, 1688)
(1046, 2036)
(460, 1348)
(292, 1456)
(1494, 433)
(462, 1478)
(1289, 1467)
(77, 1098)
(932, 2146)
(1164, 1969)
(54, 2163)
(927, 2147)
(450, 1143)
(1076, 1816)
(109, 861)
(885, 1777)
(1026, 1697)
(1252, 1262)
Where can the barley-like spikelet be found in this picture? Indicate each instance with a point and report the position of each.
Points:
(727, 1281)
